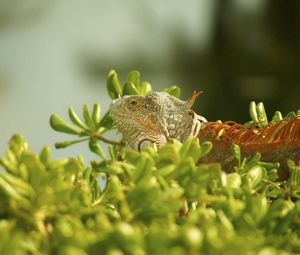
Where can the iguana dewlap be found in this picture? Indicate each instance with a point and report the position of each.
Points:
(158, 116)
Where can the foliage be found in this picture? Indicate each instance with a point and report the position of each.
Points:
(154, 202)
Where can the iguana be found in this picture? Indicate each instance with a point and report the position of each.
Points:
(158, 116)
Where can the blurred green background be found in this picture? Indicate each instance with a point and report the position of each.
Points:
(56, 53)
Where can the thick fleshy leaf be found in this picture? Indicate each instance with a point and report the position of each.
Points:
(59, 124)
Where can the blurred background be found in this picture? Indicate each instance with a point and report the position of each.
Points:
(56, 53)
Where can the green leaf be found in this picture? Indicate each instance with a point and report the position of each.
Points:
(65, 144)
(57, 163)
(86, 174)
(294, 173)
(74, 118)
(22, 187)
(130, 89)
(168, 154)
(18, 145)
(106, 121)
(290, 115)
(255, 176)
(113, 85)
(253, 112)
(191, 147)
(252, 162)
(144, 164)
(96, 114)
(166, 170)
(236, 151)
(116, 187)
(184, 172)
(96, 191)
(261, 114)
(96, 148)
(145, 88)
(206, 147)
(70, 250)
(12, 193)
(45, 155)
(234, 180)
(192, 236)
(134, 78)
(59, 124)
(249, 124)
(87, 117)
(173, 91)
(277, 117)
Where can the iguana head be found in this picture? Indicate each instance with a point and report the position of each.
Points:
(154, 118)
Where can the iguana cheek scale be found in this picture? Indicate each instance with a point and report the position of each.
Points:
(158, 116)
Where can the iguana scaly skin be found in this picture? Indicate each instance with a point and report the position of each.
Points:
(158, 116)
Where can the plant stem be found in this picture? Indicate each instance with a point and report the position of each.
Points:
(101, 138)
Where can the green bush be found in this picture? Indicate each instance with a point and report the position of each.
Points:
(154, 202)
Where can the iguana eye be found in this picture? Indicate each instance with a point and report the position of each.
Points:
(133, 102)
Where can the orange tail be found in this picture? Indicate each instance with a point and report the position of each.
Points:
(276, 142)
